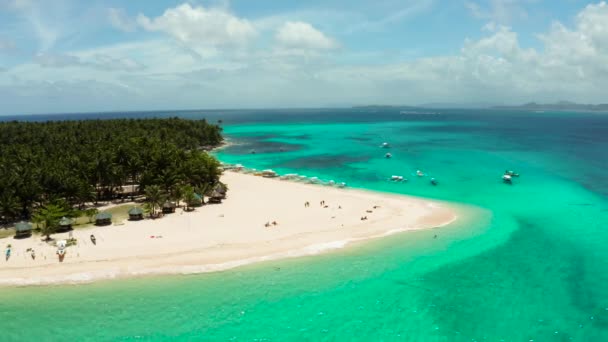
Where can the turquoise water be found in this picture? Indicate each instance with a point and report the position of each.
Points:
(531, 263)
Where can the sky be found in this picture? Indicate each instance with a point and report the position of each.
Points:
(64, 56)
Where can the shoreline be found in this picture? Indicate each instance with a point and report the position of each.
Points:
(228, 235)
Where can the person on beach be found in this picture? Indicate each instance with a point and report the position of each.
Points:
(8, 253)
(93, 239)
(33, 255)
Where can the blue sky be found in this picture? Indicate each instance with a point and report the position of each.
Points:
(72, 56)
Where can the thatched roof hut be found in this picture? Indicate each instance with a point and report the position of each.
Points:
(103, 219)
(23, 229)
(197, 201)
(216, 197)
(169, 207)
(65, 223)
(221, 189)
(136, 213)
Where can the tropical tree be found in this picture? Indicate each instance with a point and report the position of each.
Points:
(189, 196)
(90, 213)
(9, 206)
(154, 198)
(49, 216)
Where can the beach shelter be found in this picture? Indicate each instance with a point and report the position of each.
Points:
(136, 213)
(103, 219)
(197, 201)
(65, 224)
(169, 207)
(23, 229)
(216, 197)
(222, 189)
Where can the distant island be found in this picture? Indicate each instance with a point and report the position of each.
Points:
(531, 106)
(559, 106)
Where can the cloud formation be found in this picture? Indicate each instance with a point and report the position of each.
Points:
(201, 26)
(120, 20)
(297, 34)
(202, 57)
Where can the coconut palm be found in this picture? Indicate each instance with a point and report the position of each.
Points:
(154, 198)
(189, 196)
(49, 216)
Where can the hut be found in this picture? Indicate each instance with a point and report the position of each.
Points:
(169, 207)
(103, 219)
(197, 201)
(23, 229)
(65, 224)
(216, 197)
(221, 188)
(136, 214)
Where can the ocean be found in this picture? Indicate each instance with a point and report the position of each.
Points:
(531, 265)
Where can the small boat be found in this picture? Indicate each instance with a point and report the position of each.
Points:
(385, 145)
(511, 173)
(397, 179)
(507, 179)
(419, 173)
(61, 254)
(388, 156)
(434, 181)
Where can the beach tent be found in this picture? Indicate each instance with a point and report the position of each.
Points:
(23, 229)
(197, 201)
(136, 213)
(103, 219)
(216, 197)
(221, 189)
(169, 207)
(65, 224)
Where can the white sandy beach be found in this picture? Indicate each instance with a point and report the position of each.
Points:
(222, 236)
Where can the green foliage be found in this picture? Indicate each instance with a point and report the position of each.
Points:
(188, 196)
(154, 198)
(84, 161)
(90, 213)
(49, 217)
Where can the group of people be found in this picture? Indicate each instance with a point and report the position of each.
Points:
(273, 223)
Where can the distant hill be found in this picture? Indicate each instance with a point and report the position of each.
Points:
(559, 106)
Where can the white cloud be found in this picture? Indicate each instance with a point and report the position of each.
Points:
(500, 11)
(201, 26)
(571, 64)
(96, 61)
(302, 35)
(118, 18)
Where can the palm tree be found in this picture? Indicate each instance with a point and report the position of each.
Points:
(9, 206)
(49, 216)
(188, 196)
(154, 198)
(90, 213)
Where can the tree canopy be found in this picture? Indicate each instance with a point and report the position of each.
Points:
(91, 160)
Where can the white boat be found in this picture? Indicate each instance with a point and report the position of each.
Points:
(419, 173)
(385, 145)
(434, 181)
(397, 178)
(507, 179)
(511, 173)
(388, 156)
